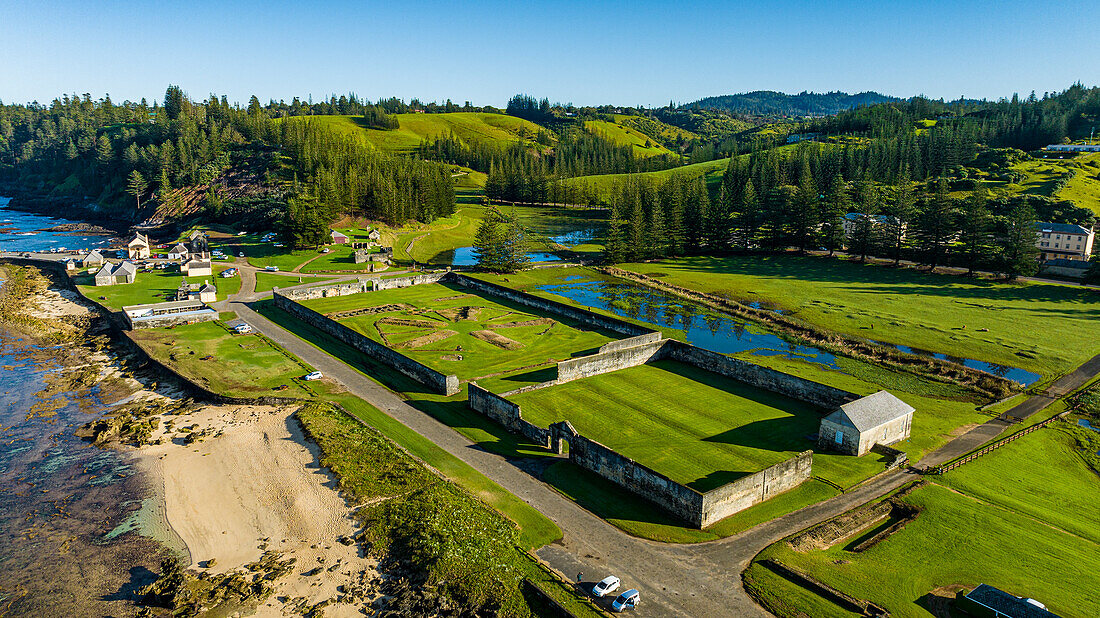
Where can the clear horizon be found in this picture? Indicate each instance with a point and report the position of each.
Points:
(570, 52)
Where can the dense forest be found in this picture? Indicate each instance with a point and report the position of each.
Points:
(129, 158)
(769, 103)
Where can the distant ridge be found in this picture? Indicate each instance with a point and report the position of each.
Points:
(767, 102)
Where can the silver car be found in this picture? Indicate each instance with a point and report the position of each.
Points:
(606, 586)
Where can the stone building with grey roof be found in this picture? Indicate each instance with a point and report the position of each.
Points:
(859, 425)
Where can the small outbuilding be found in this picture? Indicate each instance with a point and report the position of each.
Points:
(138, 247)
(858, 425)
(111, 274)
(92, 259)
(375, 235)
(178, 252)
(203, 292)
(200, 243)
(339, 238)
(197, 268)
(986, 600)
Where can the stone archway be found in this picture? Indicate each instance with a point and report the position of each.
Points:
(561, 431)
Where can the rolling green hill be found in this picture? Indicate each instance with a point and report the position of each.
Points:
(602, 184)
(470, 127)
(626, 136)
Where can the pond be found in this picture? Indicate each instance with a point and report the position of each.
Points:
(702, 327)
(722, 333)
(465, 256)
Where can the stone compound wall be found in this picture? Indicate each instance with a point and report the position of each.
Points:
(438, 382)
(794, 387)
(583, 316)
(721, 502)
(678, 499)
(506, 413)
(340, 289)
(605, 362)
(404, 282)
(696, 508)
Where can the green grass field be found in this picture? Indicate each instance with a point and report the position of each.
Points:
(1003, 323)
(425, 242)
(1023, 519)
(440, 333)
(156, 286)
(695, 427)
(1040, 176)
(602, 185)
(1055, 485)
(469, 127)
(622, 135)
(240, 365)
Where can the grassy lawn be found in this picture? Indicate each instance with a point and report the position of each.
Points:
(423, 242)
(1040, 176)
(241, 365)
(622, 135)
(1055, 485)
(267, 281)
(465, 535)
(956, 540)
(469, 127)
(440, 333)
(1007, 324)
(156, 286)
(603, 184)
(696, 427)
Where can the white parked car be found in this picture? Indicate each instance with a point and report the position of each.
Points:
(242, 329)
(241, 233)
(316, 375)
(606, 586)
(325, 250)
(271, 269)
(241, 254)
(625, 601)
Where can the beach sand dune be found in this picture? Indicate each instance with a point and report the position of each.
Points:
(258, 485)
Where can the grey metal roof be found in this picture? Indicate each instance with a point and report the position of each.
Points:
(106, 271)
(871, 411)
(126, 268)
(1062, 228)
(174, 304)
(1007, 604)
(138, 239)
(179, 248)
(94, 254)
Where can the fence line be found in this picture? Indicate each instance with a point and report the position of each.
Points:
(992, 447)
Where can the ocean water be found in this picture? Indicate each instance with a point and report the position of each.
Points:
(22, 231)
(61, 498)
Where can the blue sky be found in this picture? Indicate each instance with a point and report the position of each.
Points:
(626, 53)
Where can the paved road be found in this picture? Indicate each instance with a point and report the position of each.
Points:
(676, 580)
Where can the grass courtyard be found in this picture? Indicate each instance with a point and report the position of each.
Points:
(156, 286)
(1046, 328)
(452, 330)
(229, 364)
(1028, 510)
(698, 428)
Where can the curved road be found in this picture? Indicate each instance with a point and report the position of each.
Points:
(676, 580)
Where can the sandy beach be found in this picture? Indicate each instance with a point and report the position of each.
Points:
(256, 484)
(250, 483)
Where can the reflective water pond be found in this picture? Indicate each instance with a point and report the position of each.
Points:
(723, 333)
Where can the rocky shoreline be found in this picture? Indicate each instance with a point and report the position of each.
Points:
(238, 485)
(64, 207)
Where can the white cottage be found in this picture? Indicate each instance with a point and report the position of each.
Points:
(857, 426)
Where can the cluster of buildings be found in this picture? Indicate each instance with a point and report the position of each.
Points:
(193, 257)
